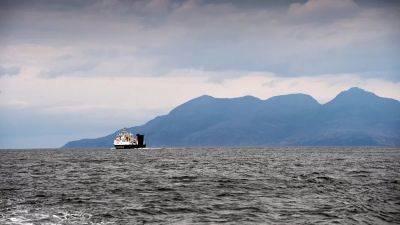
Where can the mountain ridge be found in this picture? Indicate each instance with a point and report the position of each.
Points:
(355, 117)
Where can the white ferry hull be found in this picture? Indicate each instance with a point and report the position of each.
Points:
(129, 146)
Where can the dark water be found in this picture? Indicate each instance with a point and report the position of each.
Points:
(201, 186)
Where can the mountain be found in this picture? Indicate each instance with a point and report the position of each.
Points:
(355, 117)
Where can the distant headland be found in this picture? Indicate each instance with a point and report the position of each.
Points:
(355, 117)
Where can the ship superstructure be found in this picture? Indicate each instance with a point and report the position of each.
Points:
(126, 139)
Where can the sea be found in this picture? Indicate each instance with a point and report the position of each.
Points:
(200, 186)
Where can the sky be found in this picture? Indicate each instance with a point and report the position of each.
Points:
(82, 69)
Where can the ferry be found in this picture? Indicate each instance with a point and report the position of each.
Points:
(126, 139)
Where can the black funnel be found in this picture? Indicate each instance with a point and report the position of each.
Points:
(140, 139)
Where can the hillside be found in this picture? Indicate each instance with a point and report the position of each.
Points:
(355, 117)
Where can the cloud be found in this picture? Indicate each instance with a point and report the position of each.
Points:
(323, 10)
(159, 36)
(9, 71)
(70, 66)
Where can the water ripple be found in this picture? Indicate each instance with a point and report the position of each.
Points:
(201, 186)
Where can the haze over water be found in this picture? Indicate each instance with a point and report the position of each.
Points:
(201, 186)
